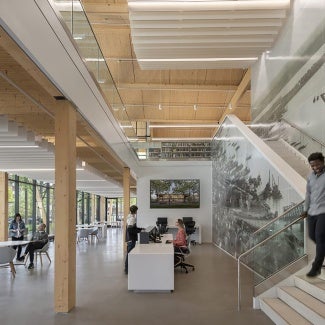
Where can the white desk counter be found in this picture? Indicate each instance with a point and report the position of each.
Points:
(151, 266)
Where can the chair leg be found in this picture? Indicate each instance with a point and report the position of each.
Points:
(40, 257)
(12, 268)
(48, 256)
(26, 259)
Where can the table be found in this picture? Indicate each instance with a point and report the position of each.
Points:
(151, 266)
(7, 243)
(102, 227)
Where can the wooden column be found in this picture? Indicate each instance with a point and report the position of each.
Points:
(102, 209)
(3, 206)
(65, 208)
(126, 195)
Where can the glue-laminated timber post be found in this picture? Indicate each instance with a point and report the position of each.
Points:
(3, 206)
(65, 207)
(126, 195)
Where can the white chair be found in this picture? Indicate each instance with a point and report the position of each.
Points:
(7, 255)
(39, 252)
(83, 234)
(44, 251)
(94, 233)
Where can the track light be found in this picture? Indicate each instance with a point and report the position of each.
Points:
(195, 107)
(160, 107)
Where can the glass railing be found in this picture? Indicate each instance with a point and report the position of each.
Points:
(77, 24)
(280, 244)
(276, 253)
(301, 141)
(291, 214)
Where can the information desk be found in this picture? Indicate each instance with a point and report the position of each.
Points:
(151, 266)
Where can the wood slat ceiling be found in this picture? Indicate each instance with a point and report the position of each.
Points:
(176, 91)
(27, 97)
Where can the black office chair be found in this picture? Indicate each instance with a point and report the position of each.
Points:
(181, 253)
(190, 228)
(162, 225)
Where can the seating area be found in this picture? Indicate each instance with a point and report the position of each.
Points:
(102, 299)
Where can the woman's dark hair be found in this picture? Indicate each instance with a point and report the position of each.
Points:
(133, 209)
(316, 156)
(18, 215)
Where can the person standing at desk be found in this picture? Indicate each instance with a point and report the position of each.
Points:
(131, 233)
(17, 229)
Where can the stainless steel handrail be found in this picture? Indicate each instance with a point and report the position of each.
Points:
(251, 249)
(278, 217)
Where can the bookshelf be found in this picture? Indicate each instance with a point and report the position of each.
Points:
(181, 150)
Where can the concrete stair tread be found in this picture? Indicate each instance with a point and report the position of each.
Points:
(318, 282)
(312, 303)
(286, 312)
(313, 286)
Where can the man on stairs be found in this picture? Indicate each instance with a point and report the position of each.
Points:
(315, 209)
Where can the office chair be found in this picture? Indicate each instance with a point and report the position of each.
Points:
(162, 225)
(190, 228)
(181, 253)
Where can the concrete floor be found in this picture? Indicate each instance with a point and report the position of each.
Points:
(207, 295)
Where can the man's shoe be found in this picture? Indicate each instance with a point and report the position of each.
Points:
(30, 266)
(21, 259)
(312, 273)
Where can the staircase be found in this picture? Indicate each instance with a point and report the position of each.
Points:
(303, 303)
(289, 154)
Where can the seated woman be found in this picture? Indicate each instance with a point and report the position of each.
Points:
(180, 239)
(180, 244)
(39, 239)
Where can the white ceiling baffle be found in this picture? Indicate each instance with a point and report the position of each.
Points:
(203, 34)
(25, 154)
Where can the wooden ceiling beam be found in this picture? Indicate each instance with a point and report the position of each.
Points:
(174, 87)
(232, 106)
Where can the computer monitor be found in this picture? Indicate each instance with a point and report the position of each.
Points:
(154, 234)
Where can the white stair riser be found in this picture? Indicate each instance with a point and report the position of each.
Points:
(272, 314)
(300, 308)
(310, 288)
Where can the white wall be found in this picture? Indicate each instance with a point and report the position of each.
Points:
(177, 170)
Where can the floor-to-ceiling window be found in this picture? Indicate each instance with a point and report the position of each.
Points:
(33, 200)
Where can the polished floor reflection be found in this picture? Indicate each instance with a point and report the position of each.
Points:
(206, 296)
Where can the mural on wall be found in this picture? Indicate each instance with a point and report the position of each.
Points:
(247, 192)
